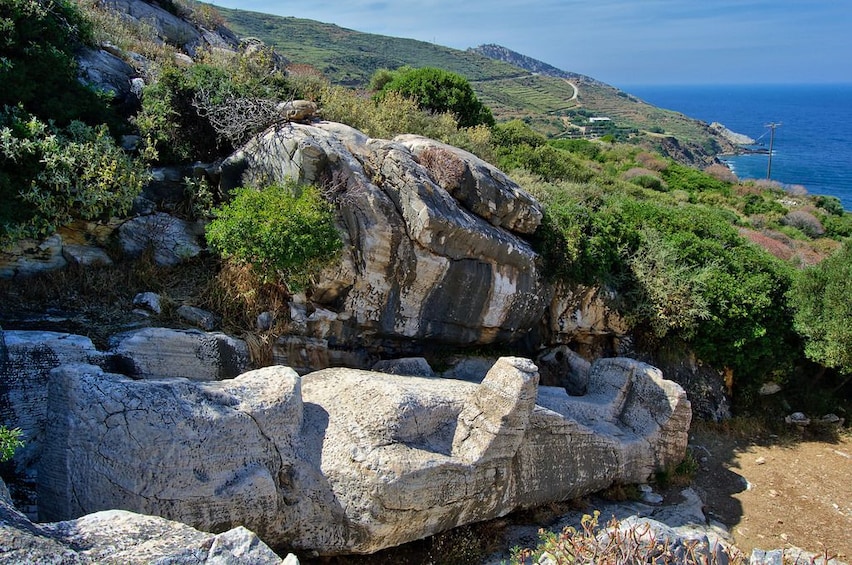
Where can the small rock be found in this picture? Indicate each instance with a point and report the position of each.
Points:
(798, 419)
(761, 557)
(760, 460)
(264, 321)
(148, 300)
(769, 389)
(85, 255)
(198, 317)
(409, 366)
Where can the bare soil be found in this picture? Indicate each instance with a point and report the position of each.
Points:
(777, 493)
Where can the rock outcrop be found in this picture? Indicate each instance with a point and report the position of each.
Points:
(28, 357)
(118, 536)
(423, 224)
(343, 460)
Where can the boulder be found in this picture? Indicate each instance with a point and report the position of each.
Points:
(118, 536)
(106, 72)
(584, 318)
(85, 255)
(173, 240)
(169, 27)
(412, 247)
(411, 366)
(152, 353)
(344, 460)
(26, 359)
(29, 257)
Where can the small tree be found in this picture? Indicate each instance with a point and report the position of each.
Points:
(438, 91)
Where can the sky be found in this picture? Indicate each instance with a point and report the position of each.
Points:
(621, 42)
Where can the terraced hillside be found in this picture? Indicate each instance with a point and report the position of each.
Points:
(555, 102)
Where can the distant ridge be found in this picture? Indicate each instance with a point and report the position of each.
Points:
(500, 53)
(554, 102)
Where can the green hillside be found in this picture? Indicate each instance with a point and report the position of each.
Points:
(549, 103)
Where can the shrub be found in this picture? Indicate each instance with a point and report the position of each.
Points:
(821, 298)
(10, 441)
(37, 66)
(618, 544)
(439, 91)
(283, 231)
(50, 175)
(681, 177)
(830, 204)
(806, 222)
(722, 173)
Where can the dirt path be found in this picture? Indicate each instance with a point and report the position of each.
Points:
(775, 494)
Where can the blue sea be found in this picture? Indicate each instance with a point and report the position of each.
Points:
(813, 144)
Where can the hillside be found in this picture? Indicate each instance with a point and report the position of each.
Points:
(555, 102)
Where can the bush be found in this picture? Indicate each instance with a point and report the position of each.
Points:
(10, 441)
(618, 544)
(821, 298)
(37, 66)
(805, 222)
(681, 177)
(284, 231)
(439, 91)
(50, 175)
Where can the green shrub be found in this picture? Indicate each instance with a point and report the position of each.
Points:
(439, 91)
(821, 298)
(830, 204)
(37, 66)
(10, 441)
(51, 175)
(284, 231)
(681, 177)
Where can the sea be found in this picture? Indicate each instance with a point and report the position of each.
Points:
(813, 139)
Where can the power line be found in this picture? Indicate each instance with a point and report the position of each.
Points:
(771, 126)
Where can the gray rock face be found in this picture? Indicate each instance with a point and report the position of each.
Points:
(153, 353)
(413, 247)
(105, 72)
(28, 257)
(172, 239)
(343, 460)
(562, 367)
(168, 27)
(118, 536)
(26, 359)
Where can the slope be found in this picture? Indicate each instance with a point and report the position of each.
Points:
(555, 102)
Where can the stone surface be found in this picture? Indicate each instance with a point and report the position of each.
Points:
(152, 353)
(150, 301)
(29, 257)
(411, 366)
(560, 366)
(204, 319)
(168, 27)
(106, 72)
(118, 536)
(85, 255)
(26, 359)
(412, 248)
(343, 460)
(173, 240)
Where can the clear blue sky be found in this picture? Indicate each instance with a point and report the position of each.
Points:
(621, 42)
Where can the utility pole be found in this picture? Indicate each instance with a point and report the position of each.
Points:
(771, 126)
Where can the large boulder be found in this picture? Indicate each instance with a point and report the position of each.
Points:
(152, 353)
(118, 536)
(343, 460)
(415, 241)
(26, 359)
